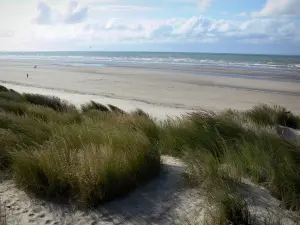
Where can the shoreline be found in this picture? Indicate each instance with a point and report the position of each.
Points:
(282, 74)
(159, 93)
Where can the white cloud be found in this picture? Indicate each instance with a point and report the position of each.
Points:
(195, 29)
(59, 26)
(75, 13)
(49, 15)
(124, 8)
(280, 8)
(45, 14)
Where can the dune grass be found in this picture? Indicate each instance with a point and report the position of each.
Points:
(115, 109)
(52, 102)
(11, 96)
(210, 143)
(92, 105)
(101, 152)
(90, 162)
(54, 150)
(3, 89)
(272, 115)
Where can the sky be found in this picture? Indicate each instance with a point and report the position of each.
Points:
(219, 26)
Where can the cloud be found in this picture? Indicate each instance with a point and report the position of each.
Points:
(47, 15)
(196, 29)
(124, 8)
(276, 8)
(74, 25)
(75, 13)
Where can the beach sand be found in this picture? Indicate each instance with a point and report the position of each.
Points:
(159, 92)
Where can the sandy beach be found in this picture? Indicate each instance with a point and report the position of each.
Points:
(175, 112)
(160, 92)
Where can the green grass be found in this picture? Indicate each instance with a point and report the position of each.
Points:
(3, 89)
(94, 106)
(91, 162)
(272, 115)
(11, 96)
(115, 109)
(98, 153)
(52, 102)
(141, 113)
(234, 210)
(53, 150)
(218, 148)
(221, 149)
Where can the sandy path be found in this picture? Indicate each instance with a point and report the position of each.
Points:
(164, 200)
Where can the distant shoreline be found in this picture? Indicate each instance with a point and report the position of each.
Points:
(272, 74)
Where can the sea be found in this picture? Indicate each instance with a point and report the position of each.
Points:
(210, 63)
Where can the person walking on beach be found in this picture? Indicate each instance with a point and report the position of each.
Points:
(27, 75)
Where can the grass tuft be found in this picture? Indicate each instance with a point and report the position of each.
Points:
(52, 102)
(272, 115)
(11, 96)
(90, 163)
(115, 109)
(94, 106)
(3, 89)
(140, 112)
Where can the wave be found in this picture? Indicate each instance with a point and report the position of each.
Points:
(85, 59)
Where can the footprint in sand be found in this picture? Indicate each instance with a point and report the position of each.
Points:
(42, 216)
(48, 222)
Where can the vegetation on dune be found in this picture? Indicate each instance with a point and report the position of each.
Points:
(115, 109)
(141, 113)
(94, 106)
(101, 152)
(221, 149)
(3, 89)
(91, 162)
(52, 102)
(210, 143)
(11, 96)
(272, 115)
(54, 150)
